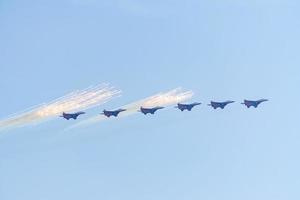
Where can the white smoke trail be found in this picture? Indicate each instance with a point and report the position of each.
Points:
(72, 102)
(161, 99)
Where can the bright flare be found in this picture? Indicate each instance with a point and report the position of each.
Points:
(72, 102)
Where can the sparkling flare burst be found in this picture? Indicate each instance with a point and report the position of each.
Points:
(72, 102)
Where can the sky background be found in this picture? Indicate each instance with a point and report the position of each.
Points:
(220, 49)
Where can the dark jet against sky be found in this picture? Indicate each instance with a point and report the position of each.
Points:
(114, 113)
(74, 116)
(188, 107)
(146, 111)
(221, 105)
(250, 103)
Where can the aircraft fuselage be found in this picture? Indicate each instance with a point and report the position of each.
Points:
(152, 111)
(254, 104)
(74, 116)
(221, 105)
(188, 107)
(114, 113)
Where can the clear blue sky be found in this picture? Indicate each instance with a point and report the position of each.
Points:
(221, 49)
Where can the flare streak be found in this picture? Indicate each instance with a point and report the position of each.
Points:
(72, 102)
(161, 99)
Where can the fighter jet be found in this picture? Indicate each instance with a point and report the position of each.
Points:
(221, 105)
(114, 113)
(74, 116)
(250, 103)
(188, 107)
(146, 111)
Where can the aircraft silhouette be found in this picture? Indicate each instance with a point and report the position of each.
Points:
(74, 116)
(114, 113)
(221, 105)
(188, 107)
(255, 104)
(152, 111)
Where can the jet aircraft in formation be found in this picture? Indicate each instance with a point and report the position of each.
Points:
(250, 103)
(74, 116)
(188, 107)
(152, 111)
(180, 106)
(221, 105)
(114, 113)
